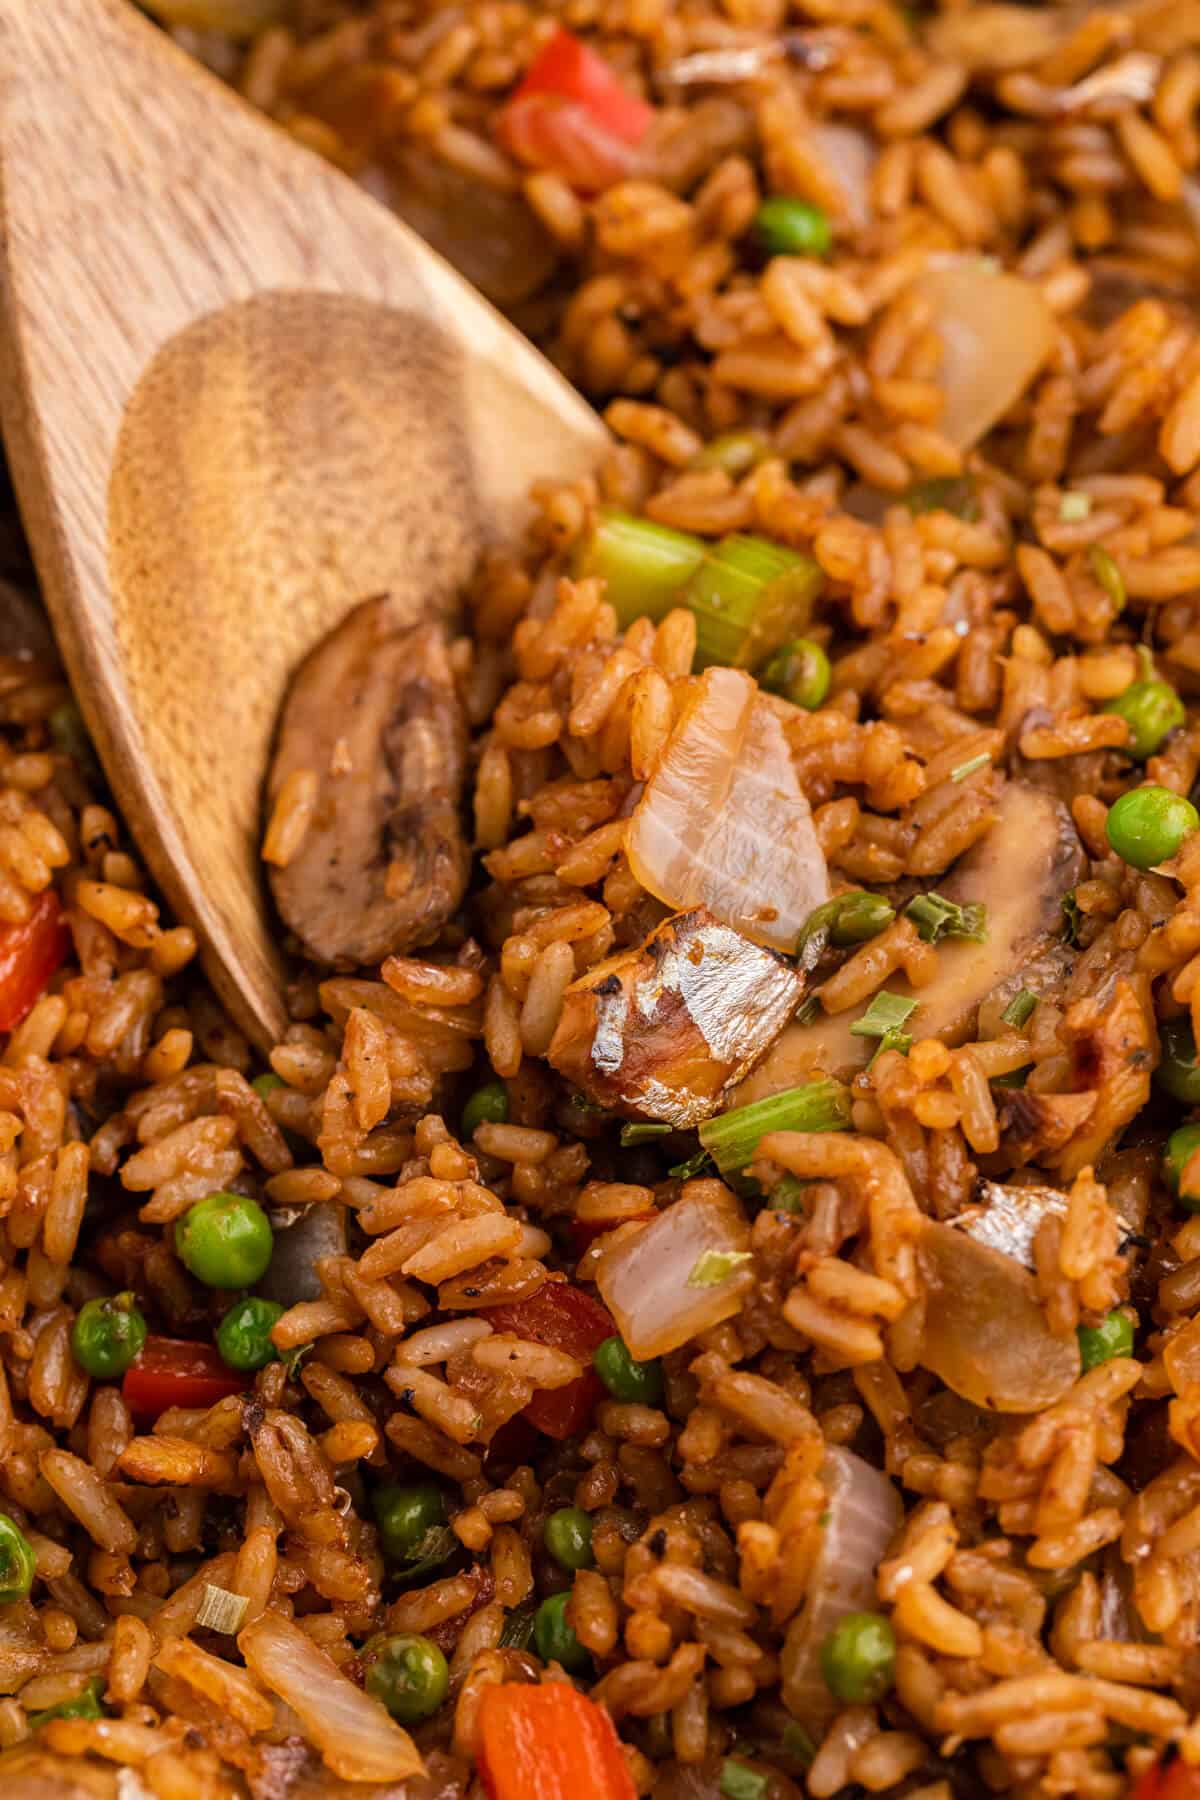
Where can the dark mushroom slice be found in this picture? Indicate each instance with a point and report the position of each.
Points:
(985, 1332)
(661, 1030)
(300, 1239)
(373, 713)
(1020, 871)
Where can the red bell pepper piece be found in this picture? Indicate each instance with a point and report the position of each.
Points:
(564, 1318)
(177, 1372)
(1169, 1779)
(571, 113)
(549, 1742)
(29, 955)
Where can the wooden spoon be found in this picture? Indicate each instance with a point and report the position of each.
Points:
(237, 397)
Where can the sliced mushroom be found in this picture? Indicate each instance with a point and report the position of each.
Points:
(985, 1333)
(373, 713)
(661, 1030)
(300, 1239)
(1020, 871)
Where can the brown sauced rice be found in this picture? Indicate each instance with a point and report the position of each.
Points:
(984, 596)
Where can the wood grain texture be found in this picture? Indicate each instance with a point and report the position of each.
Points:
(237, 396)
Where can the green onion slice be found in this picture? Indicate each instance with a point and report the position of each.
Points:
(734, 1137)
(936, 917)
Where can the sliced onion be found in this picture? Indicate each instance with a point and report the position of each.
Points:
(864, 1511)
(851, 155)
(547, 132)
(232, 18)
(656, 1281)
(985, 1333)
(356, 1736)
(722, 822)
(996, 332)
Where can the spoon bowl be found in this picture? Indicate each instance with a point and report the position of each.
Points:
(238, 397)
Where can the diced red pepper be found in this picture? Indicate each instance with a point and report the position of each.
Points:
(29, 955)
(571, 113)
(564, 1318)
(1169, 1779)
(177, 1372)
(549, 1742)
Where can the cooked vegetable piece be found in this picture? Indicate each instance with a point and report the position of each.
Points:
(863, 1511)
(30, 953)
(175, 1372)
(244, 1334)
(799, 671)
(107, 1335)
(1181, 1147)
(299, 1244)
(18, 1564)
(1178, 1073)
(986, 1334)
(748, 597)
(1152, 710)
(373, 712)
(85, 1705)
(936, 918)
(858, 1659)
(624, 1377)
(567, 1535)
(487, 1105)
(786, 225)
(1148, 825)
(645, 567)
(1112, 1337)
(849, 918)
(646, 1278)
(733, 1137)
(408, 1673)
(1020, 871)
(564, 1318)
(412, 1523)
(554, 1638)
(996, 331)
(572, 114)
(664, 1028)
(549, 1740)
(567, 69)
(723, 823)
(225, 1241)
(1169, 1779)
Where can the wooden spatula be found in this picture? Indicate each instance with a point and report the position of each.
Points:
(237, 397)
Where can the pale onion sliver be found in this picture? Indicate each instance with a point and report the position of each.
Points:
(723, 822)
(863, 1513)
(996, 331)
(644, 1279)
(356, 1736)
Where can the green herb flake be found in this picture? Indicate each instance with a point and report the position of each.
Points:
(641, 1132)
(970, 766)
(1074, 507)
(1019, 1009)
(936, 918)
(688, 1171)
(886, 1013)
(517, 1633)
(1072, 918)
(740, 1783)
(713, 1267)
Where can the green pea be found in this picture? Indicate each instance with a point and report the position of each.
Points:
(799, 670)
(858, 1659)
(244, 1334)
(1152, 710)
(267, 1083)
(1099, 1343)
(624, 1378)
(1148, 825)
(488, 1105)
(107, 1335)
(408, 1674)
(567, 1535)
(785, 225)
(1177, 1073)
(85, 1705)
(225, 1240)
(1180, 1147)
(409, 1520)
(858, 916)
(737, 452)
(554, 1638)
(17, 1562)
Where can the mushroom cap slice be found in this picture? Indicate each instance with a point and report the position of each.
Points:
(1020, 871)
(373, 713)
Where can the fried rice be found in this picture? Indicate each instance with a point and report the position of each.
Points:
(923, 1353)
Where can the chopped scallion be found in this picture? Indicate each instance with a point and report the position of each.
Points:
(1105, 571)
(740, 1783)
(715, 1266)
(787, 1195)
(797, 1742)
(944, 493)
(687, 1171)
(887, 1012)
(1074, 507)
(641, 1132)
(936, 917)
(645, 567)
(517, 1633)
(733, 1138)
(970, 766)
(808, 1010)
(1072, 917)
(1019, 1008)
(749, 596)
(222, 1611)
(736, 452)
